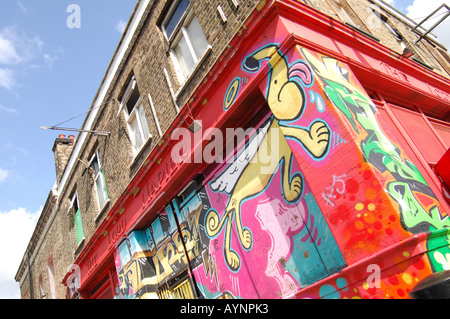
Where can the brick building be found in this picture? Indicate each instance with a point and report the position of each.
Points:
(329, 185)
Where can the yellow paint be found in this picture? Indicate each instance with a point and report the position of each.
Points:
(261, 5)
(407, 278)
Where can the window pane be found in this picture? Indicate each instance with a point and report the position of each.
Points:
(132, 100)
(443, 130)
(136, 134)
(184, 57)
(197, 37)
(100, 191)
(143, 121)
(176, 17)
(105, 191)
(423, 137)
(79, 226)
(95, 165)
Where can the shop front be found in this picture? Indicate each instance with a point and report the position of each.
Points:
(297, 182)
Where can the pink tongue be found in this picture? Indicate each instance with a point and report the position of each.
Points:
(301, 71)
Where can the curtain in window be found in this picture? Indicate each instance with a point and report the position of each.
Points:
(79, 226)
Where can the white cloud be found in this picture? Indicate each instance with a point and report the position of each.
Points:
(19, 46)
(8, 53)
(7, 78)
(8, 109)
(22, 7)
(3, 175)
(16, 228)
(19, 49)
(120, 26)
(50, 59)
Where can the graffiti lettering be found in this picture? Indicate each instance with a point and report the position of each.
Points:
(338, 187)
(406, 181)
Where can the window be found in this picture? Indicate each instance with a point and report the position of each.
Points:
(426, 138)
(388, 26)
(187, 41)
(51, 277)
(135, 116)
(41, 286)
(99, 179)
(75, 210)
(342, 14)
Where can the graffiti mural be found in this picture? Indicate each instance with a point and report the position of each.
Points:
(419, 208)
(292, 245)
(135, 269)
(319, 187)
(153, 258)
(270, 199)
(286, 99)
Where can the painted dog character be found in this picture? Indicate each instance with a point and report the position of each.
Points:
(243, 178)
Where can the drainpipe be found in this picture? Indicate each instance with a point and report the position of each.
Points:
(29, 274)
(189, 265)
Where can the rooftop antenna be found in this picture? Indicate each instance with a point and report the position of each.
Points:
(436, 24)
(58, 128)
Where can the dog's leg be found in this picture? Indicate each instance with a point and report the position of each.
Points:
(316, 140)
(292, 186)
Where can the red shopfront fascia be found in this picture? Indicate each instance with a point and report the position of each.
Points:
(289, 23)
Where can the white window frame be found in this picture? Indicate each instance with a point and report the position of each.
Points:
(99, 176)
(169, 15)
(138, 115)
(179, 32)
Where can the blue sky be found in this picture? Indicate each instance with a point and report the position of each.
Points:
(48, 74)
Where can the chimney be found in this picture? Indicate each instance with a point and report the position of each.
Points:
(61, 150)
